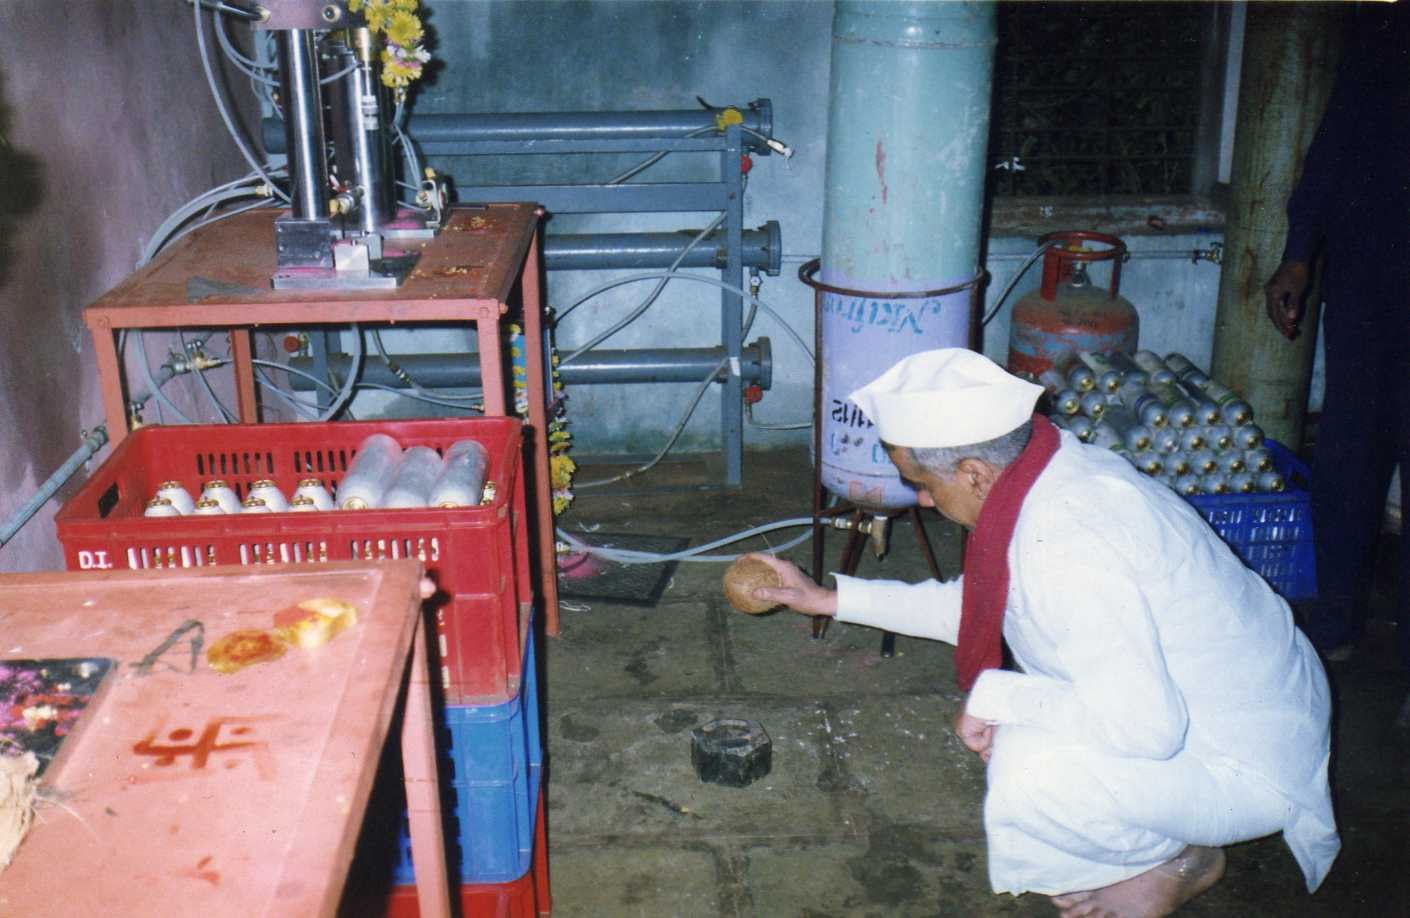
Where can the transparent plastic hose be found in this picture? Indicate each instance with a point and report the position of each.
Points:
(627, 556)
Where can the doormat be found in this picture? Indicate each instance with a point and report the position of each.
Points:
(591, 578)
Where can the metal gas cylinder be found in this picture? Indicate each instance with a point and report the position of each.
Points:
(1067, 314)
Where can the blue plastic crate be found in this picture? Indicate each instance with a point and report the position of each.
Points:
(1271, 533)
(491, 785)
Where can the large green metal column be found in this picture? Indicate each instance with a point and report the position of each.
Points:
(1290, 56)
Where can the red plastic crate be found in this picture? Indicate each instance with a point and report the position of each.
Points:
(478, 556)
(526, 897)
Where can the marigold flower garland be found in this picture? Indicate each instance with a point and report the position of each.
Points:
(403, 56)
(560, 465)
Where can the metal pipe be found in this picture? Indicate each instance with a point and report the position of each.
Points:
(91, 444)
(303, 120)
(442, 133)
(358, 107)
(762, 248)
(648, 365)
(95, 441)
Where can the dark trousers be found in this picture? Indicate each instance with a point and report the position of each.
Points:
(1364, 433)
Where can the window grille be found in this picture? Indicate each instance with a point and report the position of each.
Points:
(1097, 98)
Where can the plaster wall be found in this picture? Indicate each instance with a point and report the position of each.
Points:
(106, 126)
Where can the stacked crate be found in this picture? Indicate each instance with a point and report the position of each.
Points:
(488, 724)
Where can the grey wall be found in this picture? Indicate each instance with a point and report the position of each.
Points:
(105, 126)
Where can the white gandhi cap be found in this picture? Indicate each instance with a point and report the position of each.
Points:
(947, 397)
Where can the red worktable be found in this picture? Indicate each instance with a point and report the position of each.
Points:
(188, 791)
(468, 273)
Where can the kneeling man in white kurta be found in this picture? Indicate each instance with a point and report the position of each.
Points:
(1164, 705)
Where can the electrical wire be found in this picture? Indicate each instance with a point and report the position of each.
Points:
(675, 435)
(350, 384)
(994, 310)
(655, 158)
(275, 365)
(151, 380)
(247, 66)
(749, 416)
(408, 149)
(227, 417)
(628, 556)
(1013, 281)
(225, 116)
(219, 195)
(307, 410)
(401, 373)
(646, 303)
(699, 279)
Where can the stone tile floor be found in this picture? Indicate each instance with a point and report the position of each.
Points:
(872, 807)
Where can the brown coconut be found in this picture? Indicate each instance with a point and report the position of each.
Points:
(743, 577)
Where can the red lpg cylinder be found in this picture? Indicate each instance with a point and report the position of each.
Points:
(1067, 314)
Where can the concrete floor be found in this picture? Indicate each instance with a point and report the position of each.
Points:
(873, 806)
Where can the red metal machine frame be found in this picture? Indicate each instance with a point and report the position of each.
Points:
(467, 274)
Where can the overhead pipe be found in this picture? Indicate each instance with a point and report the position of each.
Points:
(456, 134)
(647, 365)
(763, 248)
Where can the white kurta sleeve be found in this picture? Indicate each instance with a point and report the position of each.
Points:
(930, 609)
(1106, 680)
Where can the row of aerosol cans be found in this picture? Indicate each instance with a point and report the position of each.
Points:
(1167, 417)
(382, 475)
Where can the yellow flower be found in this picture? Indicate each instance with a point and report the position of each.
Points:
(404, 29)
(406, 6)
(560, 470)
(375, 13)
(397, 74)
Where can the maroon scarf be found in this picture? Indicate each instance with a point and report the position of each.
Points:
(986, 564)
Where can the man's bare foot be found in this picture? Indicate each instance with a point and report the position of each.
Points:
(1159, 891)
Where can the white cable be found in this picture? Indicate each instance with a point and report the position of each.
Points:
(994, 310)
(655, 158)
(675, 435)
(224, 112)
(151, 380)
(186, 211)
(245, 65)
(699, 279)
(309, 411)
(400, 371)
(413, 159)
(225, 416)
(628, 556)
(749, 416)
(646, 303)
(350, 384)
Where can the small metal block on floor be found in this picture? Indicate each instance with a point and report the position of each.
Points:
(731, 752)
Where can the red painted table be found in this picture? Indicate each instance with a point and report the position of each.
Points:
(468, 273)
(187, 791)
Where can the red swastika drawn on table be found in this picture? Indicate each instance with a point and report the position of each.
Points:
(243, 745)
